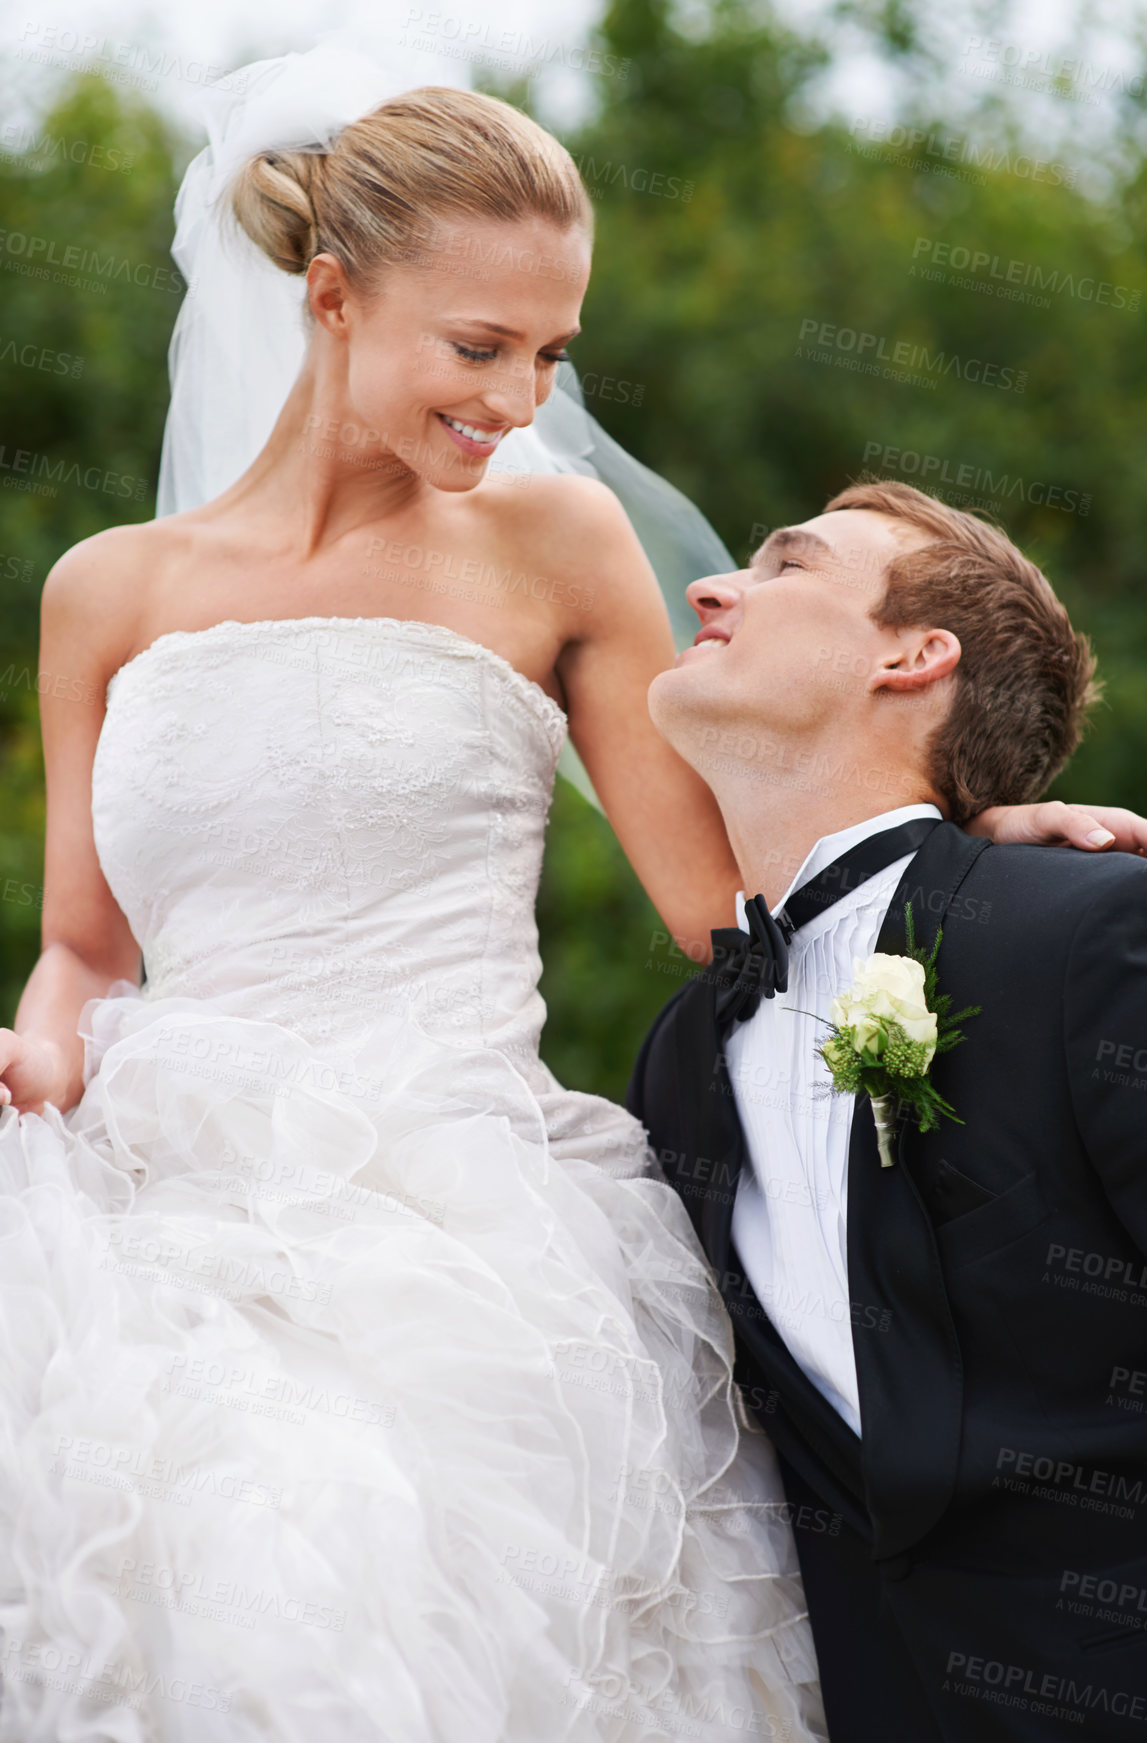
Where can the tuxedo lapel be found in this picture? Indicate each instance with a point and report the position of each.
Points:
(721, 1141)
(910, 1375)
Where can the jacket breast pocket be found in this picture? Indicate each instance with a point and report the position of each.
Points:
(988, 1227)
(950, 1193)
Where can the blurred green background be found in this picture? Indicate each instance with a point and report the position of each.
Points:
(743, 236)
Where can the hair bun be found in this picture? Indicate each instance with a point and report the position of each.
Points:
(273, 197)
(432, 155)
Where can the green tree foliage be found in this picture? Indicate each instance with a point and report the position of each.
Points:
(609, 962)
(728, 220)
(88, 296)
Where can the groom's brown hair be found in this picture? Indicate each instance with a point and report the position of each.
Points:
(1025, 679)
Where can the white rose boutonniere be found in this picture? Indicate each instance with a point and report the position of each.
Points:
(887, 1011)
(884, 1033)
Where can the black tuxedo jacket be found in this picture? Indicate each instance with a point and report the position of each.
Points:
(998, 1283)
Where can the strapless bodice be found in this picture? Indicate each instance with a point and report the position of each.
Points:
(321, 820)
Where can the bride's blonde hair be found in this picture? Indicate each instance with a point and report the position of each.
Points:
(374, 197)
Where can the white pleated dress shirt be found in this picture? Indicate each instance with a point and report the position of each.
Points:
(790, 1215)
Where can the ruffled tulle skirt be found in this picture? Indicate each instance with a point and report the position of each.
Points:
(368, 1394)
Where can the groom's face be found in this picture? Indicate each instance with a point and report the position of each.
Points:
(789, 642)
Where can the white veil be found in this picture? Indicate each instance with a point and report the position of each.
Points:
(240, 336)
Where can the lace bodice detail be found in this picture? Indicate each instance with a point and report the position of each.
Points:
(321, 819)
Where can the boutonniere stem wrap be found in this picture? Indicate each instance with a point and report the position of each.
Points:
(885, 1032)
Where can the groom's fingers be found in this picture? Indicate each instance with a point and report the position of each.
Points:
(1054, 823)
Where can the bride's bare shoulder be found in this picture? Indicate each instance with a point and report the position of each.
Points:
(95, 597)
(569, 498)
(564, 520)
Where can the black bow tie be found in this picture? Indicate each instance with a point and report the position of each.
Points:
(754, 965)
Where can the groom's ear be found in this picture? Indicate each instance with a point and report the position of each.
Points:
(920, 659)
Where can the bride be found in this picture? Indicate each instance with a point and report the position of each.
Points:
(358, 1380)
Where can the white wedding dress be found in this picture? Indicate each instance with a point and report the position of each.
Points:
(358, 1382)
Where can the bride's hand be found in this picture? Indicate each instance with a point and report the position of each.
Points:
(32, 1072)
(1054, 824)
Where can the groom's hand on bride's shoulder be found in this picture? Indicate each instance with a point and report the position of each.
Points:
(1052, 823)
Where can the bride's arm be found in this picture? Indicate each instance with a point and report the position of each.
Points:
(86, 941)
(662, 812)
(1056, 823)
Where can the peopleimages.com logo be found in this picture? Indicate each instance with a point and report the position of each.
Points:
(1014, 277)
(876, 353)
(35, 254)
(998, 488)
(43, 475)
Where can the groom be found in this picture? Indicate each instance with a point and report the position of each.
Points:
(950, 1353)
